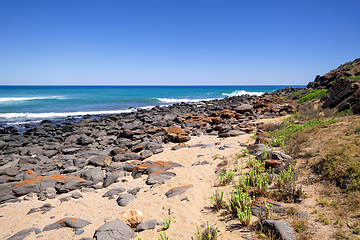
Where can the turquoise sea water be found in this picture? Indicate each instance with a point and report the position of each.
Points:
(19, 104)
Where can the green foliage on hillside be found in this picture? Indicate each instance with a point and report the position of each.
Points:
(313, 94)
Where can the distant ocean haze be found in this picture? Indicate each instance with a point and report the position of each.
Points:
(32, 104)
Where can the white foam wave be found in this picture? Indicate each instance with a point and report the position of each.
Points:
(185, 100)
(62, 114)
(16, 99)
(242, 92)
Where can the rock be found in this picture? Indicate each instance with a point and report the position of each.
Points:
(132, 218)
(50, 193)
(227, 114)
(259, 207)
(126, 156)
(62, 183)
(114, 230)
(71, 183)
(234, 133)
(95, 175)
(145, 154)
(257, 149)
(124, 199)
(70, 169)
(140, 169)
(279, 229)
(43, 209)
(64, 199)
(176, 134)
(162, 165)
(134, 191)
(76, 195)
(67, 222)
(79, 232)
(177, 190)
(85, 140)
(114, 191)
(243, 108)
(101, 160)
(200, 163)
(159, 177)
(24, 233)
(6, 192)
(110, 179)
(146, 225)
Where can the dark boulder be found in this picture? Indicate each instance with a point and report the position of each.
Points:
(114, 230)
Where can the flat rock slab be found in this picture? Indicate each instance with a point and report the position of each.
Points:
(159, 177)
(67, 222)
(257, 149)
(146, 225)
(177, 190)
(124, 199)
(162, 165)
(112, 178)
(259, 206)
(114, 191)
(281, 229)
(62, 183)
(149, 167)
(114, 230)
(24, 233)
(43, 209)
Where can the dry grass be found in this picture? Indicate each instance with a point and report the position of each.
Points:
(332, 152)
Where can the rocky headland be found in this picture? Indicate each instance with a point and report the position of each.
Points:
(130, 175)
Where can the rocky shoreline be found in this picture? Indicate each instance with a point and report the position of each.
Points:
(94, 153)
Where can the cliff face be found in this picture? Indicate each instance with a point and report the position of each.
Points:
(343, 86)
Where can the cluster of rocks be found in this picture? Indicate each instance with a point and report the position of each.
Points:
(343, 86)
(55, 159)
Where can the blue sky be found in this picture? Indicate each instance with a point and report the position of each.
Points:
(175, 42)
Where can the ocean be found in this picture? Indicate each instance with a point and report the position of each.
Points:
(21, 106)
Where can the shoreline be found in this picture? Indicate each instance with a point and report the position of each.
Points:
(91, 156)
(21, 125)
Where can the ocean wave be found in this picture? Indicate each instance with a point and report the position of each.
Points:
(61, 114)
(242, 92)
(185, 100)
(16, 99)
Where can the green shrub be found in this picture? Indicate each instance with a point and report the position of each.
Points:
(226, 177)
(163, 236)
(244, 215)
(217, 200)
(313, 94)
(239, 200)
(166, 223)
(209, 233)
(289, 128)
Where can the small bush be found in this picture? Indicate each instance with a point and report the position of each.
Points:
(217, 200)
(239, 200)
(286, 189)
(166, 223)
(208, 233)
(299, 225)
(163, 236)
(226, 177)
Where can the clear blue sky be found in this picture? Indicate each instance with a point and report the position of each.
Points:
(175, 42)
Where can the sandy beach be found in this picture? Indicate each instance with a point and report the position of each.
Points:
(187, 210)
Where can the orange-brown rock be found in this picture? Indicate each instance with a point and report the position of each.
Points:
(132, 218)
(227, 113)
(216, 120)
